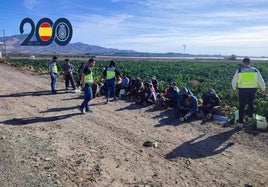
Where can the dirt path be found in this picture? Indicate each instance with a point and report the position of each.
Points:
(45, 141)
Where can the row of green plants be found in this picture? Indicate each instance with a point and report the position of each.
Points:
(198, 76)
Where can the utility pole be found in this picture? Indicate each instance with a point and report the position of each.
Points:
(5, 43)
(184, 46)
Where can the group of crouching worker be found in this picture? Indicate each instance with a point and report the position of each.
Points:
(145, 94)
(182, 100)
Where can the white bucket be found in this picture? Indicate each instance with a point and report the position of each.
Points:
(122, 93)
(261, 122)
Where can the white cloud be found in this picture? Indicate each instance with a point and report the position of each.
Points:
(247, 41)
(97, 29)
(30, 4)
(164, 26)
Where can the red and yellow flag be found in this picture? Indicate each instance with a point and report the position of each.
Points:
(45, 31)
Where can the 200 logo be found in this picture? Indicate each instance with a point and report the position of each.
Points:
(46, 32)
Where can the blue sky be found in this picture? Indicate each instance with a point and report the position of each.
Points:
(224, 27)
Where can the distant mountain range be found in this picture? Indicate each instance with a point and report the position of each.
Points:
(13, 47)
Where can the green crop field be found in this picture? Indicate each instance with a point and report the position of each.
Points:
(198, 76)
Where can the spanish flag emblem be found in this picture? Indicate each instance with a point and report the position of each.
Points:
(45, 31)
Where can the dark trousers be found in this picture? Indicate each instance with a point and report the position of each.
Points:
(110, 88)
(68, 79)
(247, 97)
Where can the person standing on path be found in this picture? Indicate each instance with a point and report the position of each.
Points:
(68, 74)
(111, 74)
(53, 71)
(86, 84)
(246, 80)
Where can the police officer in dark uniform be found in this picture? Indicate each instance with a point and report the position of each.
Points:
(53, 71)
(110, 73)
(246, 80)
(86, 84)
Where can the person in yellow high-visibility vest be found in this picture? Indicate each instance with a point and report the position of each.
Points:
(53, 71)
(111, 74)
(86, 84)
(246, 81)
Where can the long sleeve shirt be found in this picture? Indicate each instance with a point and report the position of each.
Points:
(191, 106)
(259, 77)
(125, 82)
(68, 69)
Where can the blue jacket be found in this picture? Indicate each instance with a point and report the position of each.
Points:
(191, 106)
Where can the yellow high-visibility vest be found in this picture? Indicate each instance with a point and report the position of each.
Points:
(247, 80)
(110, 73)
(89, 78)
(54, 68)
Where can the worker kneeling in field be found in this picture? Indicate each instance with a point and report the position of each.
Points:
(147, 95)
(187, 107)
(210, 100)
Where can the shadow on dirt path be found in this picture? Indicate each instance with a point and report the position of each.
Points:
(33, 93)
(27, 121)
(201, 148)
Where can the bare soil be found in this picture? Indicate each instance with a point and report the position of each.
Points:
(46, 141)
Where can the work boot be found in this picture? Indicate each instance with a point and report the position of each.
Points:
(82, 110)
(89, 110)
(240, 125)
(182, 119)
(208, 116)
